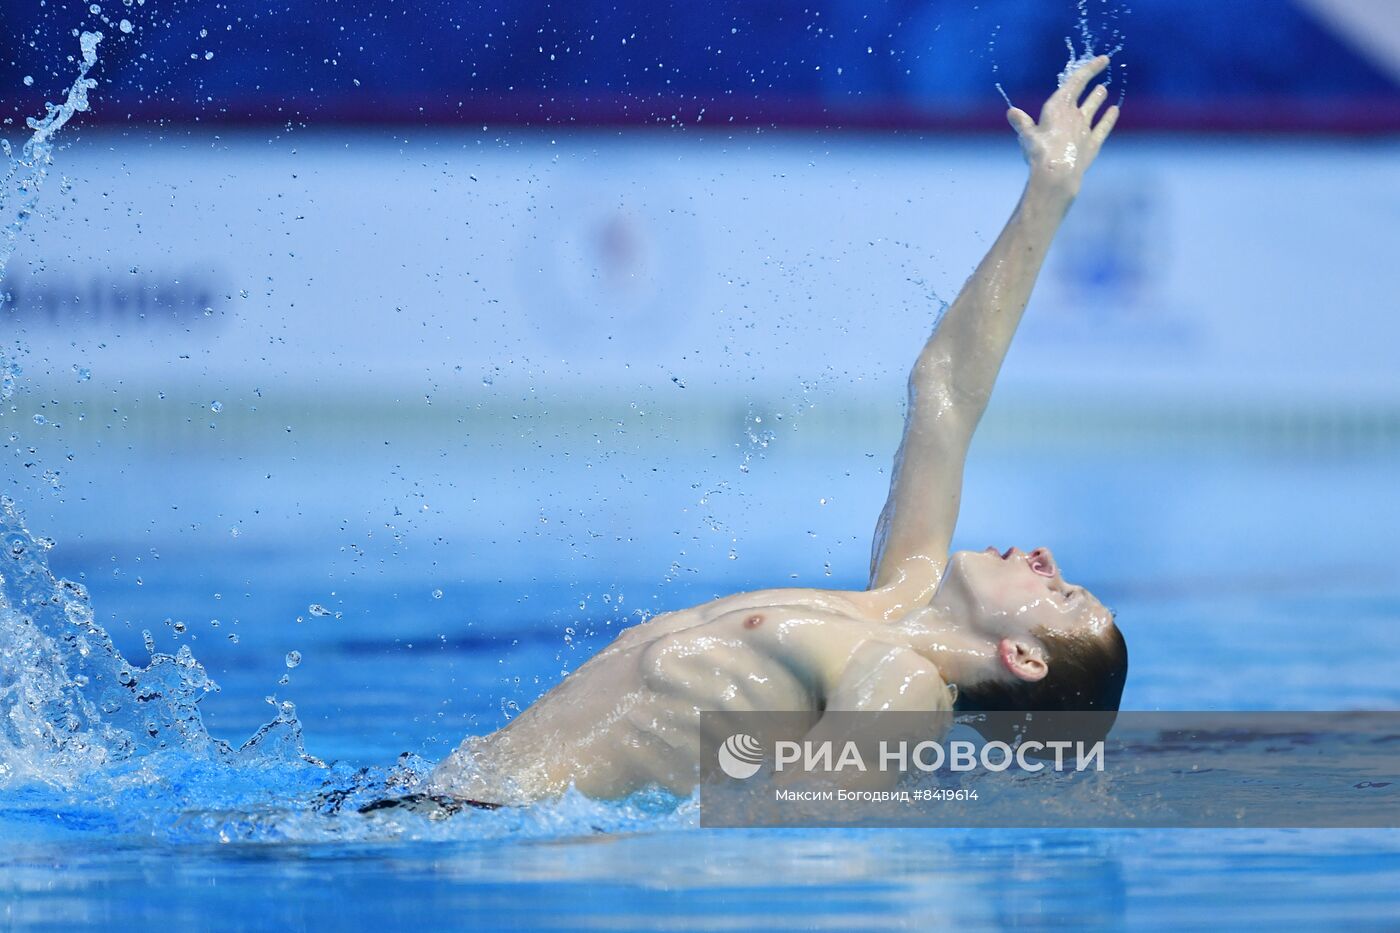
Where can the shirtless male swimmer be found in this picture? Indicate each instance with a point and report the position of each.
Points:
(1004, 627)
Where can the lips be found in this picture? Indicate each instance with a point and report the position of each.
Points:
(1040, 561)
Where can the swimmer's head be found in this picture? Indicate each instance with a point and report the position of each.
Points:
(1036, 641)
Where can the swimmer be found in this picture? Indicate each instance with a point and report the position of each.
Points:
(997, 629)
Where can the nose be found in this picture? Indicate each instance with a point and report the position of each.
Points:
(1043, 562)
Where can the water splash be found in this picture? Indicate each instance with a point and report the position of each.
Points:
(996, 65)
(101, 744)
(9, 371)
(1093, 42)
(72, 705)
(70, 701)
(24, 176)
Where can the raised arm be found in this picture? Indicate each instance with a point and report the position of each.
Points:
(953, 376)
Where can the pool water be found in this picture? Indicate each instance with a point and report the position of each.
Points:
(1244, 579)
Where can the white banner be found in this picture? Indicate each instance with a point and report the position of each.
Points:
(748, 265)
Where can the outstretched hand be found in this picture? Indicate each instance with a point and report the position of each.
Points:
(1065, 141)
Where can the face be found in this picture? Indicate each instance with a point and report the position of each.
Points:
(1005, 596)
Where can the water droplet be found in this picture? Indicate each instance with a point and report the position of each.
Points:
(233, 637)
(28, 80)
(293, 658)
(40, 419)
(125, 25)
(316, 609)
(95, 10)
(437, 594)
(216, 407)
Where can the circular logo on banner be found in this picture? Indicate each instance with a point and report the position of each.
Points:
(740, 756)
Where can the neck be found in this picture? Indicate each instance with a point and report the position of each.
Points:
(961, 656)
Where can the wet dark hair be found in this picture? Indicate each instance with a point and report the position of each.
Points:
(1084, 673)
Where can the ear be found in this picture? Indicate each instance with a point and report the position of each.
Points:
(1023, 660)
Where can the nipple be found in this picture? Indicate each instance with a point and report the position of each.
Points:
(753, 621)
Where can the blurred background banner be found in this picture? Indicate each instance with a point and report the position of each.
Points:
(341, 265)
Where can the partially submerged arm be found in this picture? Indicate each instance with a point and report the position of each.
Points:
(953, 376)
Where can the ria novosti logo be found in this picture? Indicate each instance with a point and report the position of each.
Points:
(740, 756)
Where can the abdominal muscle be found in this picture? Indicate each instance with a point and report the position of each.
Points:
(630, 716)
